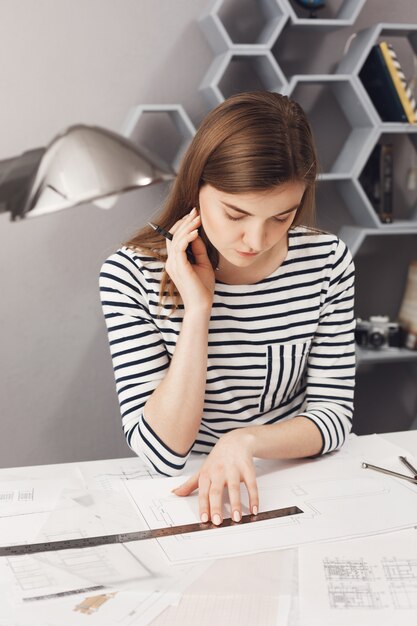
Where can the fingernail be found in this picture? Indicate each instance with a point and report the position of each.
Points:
(236, 516)
(216, 520)
(255, 510)
(204, 518)
(192, 211)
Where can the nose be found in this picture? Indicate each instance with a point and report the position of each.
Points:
(255, 238)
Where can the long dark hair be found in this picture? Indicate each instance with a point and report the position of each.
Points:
(250, 142)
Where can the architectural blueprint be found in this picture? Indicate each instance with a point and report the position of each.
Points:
(330, 491)
(372, 581)
(124, 584)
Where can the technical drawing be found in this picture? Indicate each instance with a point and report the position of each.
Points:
(54, 572)
(106, 482)
(354, 596)
(349, 584)
(28, 574)
(328, 508)
(17, 495)
(341, 569)
(401, 575)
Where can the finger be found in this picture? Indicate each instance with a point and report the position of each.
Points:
(215, 497)
(203, 498)
(185, 235)
(200, 250)
(233, 486)
(188, 487)
(249, 478)
(189, 226)
(181, 246)
(182, 223)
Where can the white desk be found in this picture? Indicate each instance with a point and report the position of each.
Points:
(214, 601)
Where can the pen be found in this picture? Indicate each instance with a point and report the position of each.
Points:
(408, 465)
(389, 472)
(168, 235)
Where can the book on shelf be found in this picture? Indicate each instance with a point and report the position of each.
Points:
(385, 82)
(377, 181)
(408, 309)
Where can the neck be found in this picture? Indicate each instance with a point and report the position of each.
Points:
(232, 275)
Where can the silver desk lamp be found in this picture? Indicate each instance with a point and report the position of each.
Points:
(83, 164)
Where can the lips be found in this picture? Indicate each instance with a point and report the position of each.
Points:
(247, 253)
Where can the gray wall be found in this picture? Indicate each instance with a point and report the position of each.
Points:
(89, 62)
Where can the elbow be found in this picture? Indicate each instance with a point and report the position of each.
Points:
(334, 423)
(157, 459)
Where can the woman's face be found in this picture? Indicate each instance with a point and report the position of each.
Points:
(251, 222)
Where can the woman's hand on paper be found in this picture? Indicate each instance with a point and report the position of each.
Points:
(228, 464)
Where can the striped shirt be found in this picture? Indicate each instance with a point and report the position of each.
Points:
(277, 348)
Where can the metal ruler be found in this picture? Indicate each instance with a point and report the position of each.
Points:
(140, 535)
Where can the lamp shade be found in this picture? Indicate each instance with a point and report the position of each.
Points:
(88, 164)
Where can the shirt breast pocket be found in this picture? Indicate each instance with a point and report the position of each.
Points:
(285, 366)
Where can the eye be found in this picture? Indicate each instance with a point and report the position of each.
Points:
(234, 219)
(281, 220)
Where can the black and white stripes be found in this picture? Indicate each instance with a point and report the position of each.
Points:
(278, 348)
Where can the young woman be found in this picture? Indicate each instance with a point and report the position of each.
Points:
(249, 351)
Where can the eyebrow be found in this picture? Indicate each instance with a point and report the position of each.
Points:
(235, 208)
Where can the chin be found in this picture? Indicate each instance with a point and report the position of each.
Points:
(240, 261)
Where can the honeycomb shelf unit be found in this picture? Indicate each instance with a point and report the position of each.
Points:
(349, 99)
(355, 236)
(351, 105)
(177, 133)
(241, 70)
(227, 27)
(346, 15)
(361, 45)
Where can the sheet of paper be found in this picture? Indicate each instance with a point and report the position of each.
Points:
(98, 608)
(329, 490)
(106, 495)
(370, 581)
(25, 505)
(23, 497)
(153, 587)
(128, 584)
(49, 573)
(243, 591)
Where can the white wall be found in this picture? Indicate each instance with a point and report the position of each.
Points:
(63, 62)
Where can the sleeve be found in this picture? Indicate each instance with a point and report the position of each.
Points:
(331, 362)
(139, 358)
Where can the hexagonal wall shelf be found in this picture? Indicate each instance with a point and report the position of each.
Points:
(242, 70)
(352, 191)
(355, 236)
(174, 129)
(346, 15)
(240, 24)
(349, 112)
(404, 200)
(361, 45)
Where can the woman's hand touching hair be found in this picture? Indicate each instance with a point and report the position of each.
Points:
(195, 283)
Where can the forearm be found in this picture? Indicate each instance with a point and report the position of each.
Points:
(295, 438)
(175, 408)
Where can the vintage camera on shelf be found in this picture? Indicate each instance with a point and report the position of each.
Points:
(378, 332)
